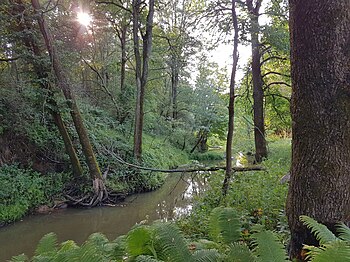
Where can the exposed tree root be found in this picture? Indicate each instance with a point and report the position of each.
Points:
(99, 197)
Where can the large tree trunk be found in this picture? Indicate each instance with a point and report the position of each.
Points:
(231, 112)
(141, 70)
(62, 82)
(320, 173)
(42, 72)
(258, 92)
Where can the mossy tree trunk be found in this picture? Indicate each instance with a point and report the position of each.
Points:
(258, 92)
(42, 71)
(62, 82)
(228, 173)
(320, 173)
(141, 68)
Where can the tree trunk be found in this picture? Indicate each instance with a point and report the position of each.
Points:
(62, 82)
(123, 34)
(228, 173)
(258, 92)
(141, 70)
(174, 84)
(42, 72)
(320, 173)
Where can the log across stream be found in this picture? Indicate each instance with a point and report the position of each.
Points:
(170, 201)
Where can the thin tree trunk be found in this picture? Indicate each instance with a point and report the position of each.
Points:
(141, 70)
(42, 72)
(228, 172)
(258, 92)
(174, 85)
(320, 173)
(62, 82)
(123, 58)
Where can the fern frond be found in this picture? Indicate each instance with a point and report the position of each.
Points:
(321, 232)
(19, 258)
(268, 247)
(205, 244)
(47, 244)
(224, 225)
(206, 255)
(117, 248)
(239, 252)
(344, 232)
(146, 259)
(169, 243)
(138, 241)
(336, 251)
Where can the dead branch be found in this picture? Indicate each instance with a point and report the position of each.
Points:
(186, 170)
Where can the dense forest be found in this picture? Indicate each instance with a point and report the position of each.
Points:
(100, 100)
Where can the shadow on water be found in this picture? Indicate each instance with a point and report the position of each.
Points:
(172, 200)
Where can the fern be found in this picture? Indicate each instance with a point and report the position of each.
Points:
(118, 251)
(169, 243)
(240, 252)
(19, 258)
(47, 244)
(337, 251)
(321, 232)
(206, 255)
(224, 225)
(139, 241)
(344, 232)
(268, 247)
(146, 259)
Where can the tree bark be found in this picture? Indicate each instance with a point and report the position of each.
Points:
(62, 82)
(42, 72)
(258, 92)
(141, 73)
(320, 173)
(228, 172)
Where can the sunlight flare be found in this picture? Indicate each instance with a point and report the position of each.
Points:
(84, 18)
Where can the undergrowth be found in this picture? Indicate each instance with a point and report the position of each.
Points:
(23, 189)
(258, 196)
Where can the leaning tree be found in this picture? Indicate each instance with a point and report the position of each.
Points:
(320, 173)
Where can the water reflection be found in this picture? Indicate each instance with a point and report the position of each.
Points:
(172, 200)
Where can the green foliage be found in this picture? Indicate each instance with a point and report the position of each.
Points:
(239, 252)
(139, 241)
(224, 225)
(268, 247)
(322, 233)
(24, 189)
(331, 247)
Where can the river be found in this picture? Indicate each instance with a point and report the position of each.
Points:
(170, 201)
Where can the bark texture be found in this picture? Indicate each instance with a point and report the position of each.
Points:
(320, 173)
(141, 68)
(231, 109)
(258, 92)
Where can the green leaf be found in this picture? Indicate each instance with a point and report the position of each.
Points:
(19, 258)
(139, 240)
(206, 255)
(337, 251)
(48, 244)
(268, 247)
(239, 252)
(169, 243)
(321, 232)
(344, 232)
(224, 225)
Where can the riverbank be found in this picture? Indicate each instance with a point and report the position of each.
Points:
(172, 200)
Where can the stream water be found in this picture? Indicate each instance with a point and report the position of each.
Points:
(171, 201)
